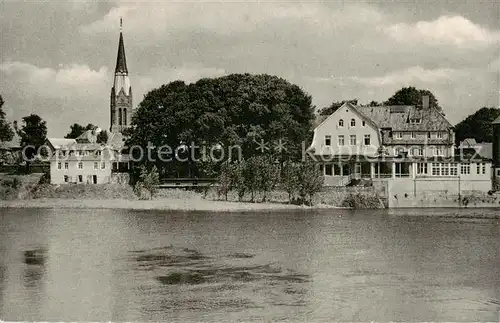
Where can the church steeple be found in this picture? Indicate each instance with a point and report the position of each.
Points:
(121, 61)
(121, 92)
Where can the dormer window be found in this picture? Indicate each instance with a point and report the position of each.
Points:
(353, 123)
(440, 135)
(399, 135)
(341, 123)
(363, 123)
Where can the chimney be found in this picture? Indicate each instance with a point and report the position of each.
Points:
(425, 102)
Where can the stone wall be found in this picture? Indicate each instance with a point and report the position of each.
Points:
(439, 192)
(358, 197)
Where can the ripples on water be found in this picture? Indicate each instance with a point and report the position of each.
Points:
(336, 265)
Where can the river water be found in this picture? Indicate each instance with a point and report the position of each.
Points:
(331, 265)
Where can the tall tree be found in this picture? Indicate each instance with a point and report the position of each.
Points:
(334, 107)
(235, 110)
(413, 96)
(6, 132)
(33, 133)
(77, 129)
(477, 126)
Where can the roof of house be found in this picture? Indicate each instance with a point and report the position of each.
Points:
(496, 121)
(398, 118)
(116, 140)
(88, 136)
(468, 142)
(57, 143)
(485, 150)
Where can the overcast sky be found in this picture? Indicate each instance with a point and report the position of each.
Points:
(57, 58)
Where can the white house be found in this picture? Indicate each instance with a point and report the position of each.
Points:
(81, 160)
(393, 142)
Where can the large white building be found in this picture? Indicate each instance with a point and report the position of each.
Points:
(82, 160)
(384, 142)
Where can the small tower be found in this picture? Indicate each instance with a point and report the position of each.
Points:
(121, 92)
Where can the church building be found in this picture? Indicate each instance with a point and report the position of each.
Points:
(121, 107)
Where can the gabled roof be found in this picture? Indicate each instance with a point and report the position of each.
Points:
(58, 143)
(496, 121)
(398, 118)
(468, 143)
(88, 136)
(353, 108)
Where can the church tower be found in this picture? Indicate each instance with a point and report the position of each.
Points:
(121, 92)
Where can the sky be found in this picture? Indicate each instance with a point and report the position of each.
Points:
(58, 57)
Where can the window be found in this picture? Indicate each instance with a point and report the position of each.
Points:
(399, 151)
(422, 168)
(96, 165)
(328, 170)
(439, 151)
(429, 135)
(352, 140)
(413, 135)
(341, 140)
(341, 122)
(363, 123)
(418, 151)
(465, 169)
(367, 140)
(453, 169)
(481, 168)
(66, 165)
(80, 165)
(439, 135)
(66, 178)
(398, 135)
(435, 169)
(353, 123)
(98, 153)
(322, 169)
(59, 165)
(80, 178)
(445, 170)
(328, 140)
(103, 165)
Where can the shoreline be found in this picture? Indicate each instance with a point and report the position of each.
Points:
(165, 204)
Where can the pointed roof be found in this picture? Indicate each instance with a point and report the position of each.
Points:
(497, 120)
(121, 62)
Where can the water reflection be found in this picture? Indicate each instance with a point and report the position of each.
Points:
(105, 265)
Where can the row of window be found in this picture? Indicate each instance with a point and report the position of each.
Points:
(79, 179)
(63, 153)
(419, 151)
(80, 165)
(352, 140)
(353, 123)
(413, 135)
(449, 169)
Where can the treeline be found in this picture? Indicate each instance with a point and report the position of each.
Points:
(262, 174)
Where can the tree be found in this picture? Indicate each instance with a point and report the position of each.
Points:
(33, 133)
(226, 179)
(289, 179)
(102, 137)
(310, 180)
(268, 175)
(413, 96)
(477, 125)
(149, 181)
(335, 106)
(77, 129)
(234, 110)
(6, 132)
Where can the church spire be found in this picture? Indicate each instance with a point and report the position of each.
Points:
(121, 62)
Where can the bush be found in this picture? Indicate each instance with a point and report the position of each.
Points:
(148, 181)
